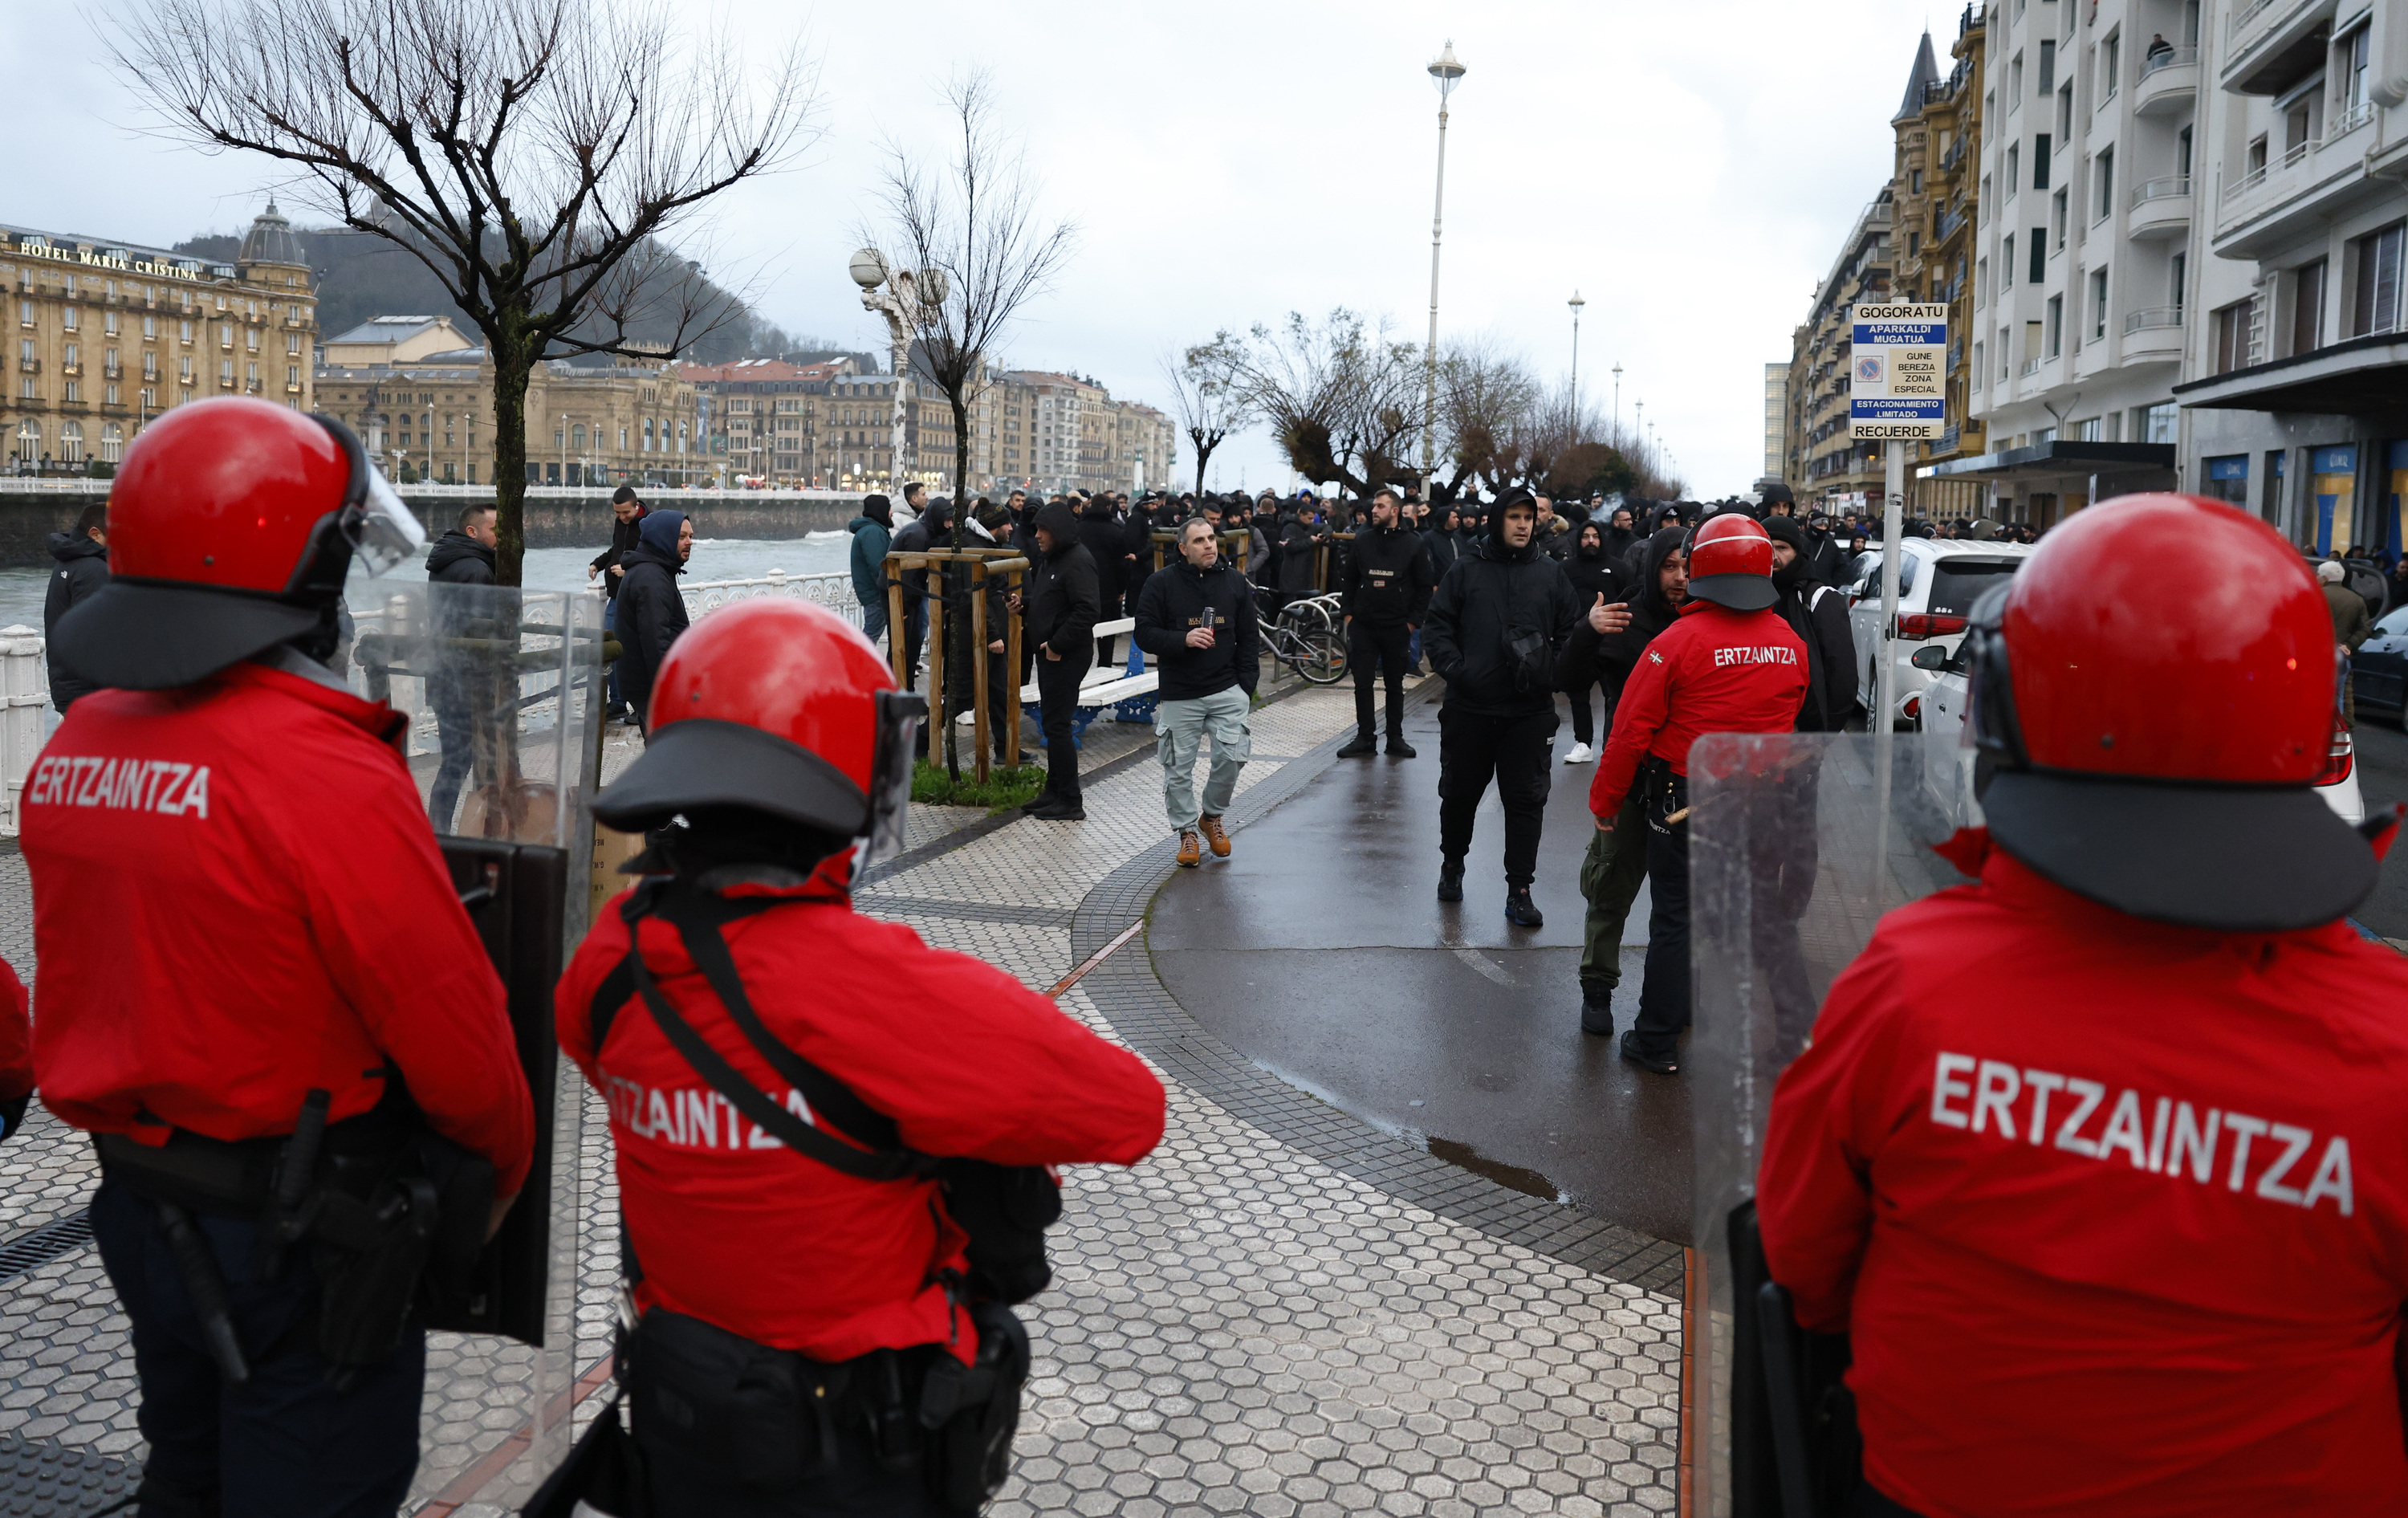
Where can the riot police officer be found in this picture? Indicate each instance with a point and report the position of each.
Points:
(828, 1133)
(259, 990)
(2094, 1158)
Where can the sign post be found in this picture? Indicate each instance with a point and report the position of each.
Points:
(1896, 387)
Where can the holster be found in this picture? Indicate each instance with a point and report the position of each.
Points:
(1661, 793)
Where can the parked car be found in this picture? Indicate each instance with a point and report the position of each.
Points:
(1938, 580)
(2379, 672)
(1948, 757)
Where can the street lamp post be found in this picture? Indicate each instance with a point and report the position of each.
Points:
(1576, 303)
(905, 295)
(1446, 71)
(1617, 403)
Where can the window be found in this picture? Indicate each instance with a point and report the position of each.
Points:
(2307, 307)
(2103, 170)
(293, 377)
(2015, 172)
(2350, 62)
(2374, 304)
(68, 318)
(1982, 282)
(225, 373)
(2228, 479)
(2039, 241)
(71, 360)
(225, 335)
(149, 365)
(2098, 305)
(2111, 53)
(2065, 113)
(184, 369)
(2039, 161)
(2004, 357)
(1915, 182)
(1983, 201)
(2015, 85)
(2056, 219)
(1981, 371)
(2056, 324)
(2257, 156)
(150, 329)
(2047, 67)
(2178, 271)
(2301, 121)
(292, 344)
(2231, 336)
(2158, 422)
(108, 323)
(2007, 263)
(185, 333)
(577, 437)
(2035, 335)
(25, 313)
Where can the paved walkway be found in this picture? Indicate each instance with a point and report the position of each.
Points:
(1286, 1311)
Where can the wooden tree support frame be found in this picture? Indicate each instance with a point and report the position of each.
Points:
(985, 564)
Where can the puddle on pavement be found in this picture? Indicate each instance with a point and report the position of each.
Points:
(1511, 1176)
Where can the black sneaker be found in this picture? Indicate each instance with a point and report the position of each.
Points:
(1521, 911)
(1449, 881)
(1597, 1017)
(1667, 1065)
(1362, 748)
(1400, 749)
(1059, 809)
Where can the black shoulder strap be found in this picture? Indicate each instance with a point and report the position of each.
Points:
(697, 926)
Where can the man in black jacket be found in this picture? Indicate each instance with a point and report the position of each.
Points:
(933, 528)
(1196, 618)
(651, 609)
(1615, 864)
(627, 513)
(1388, 584)
(82, 558)
(459, 687)
(1060, 610)
(1818, 614)
(1497, 625)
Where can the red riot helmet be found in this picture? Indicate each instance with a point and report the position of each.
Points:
(231, 526)
(780, 707)
(1730, 563)
(2155, 695)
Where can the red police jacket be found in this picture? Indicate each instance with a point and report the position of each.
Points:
(2116, 1212)
(236, 898)
(1715, 670)
(729, 1225)
(16, 1035)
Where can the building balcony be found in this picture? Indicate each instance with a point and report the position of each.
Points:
(2161, 208)
(29, 366)
(2153, 335)
(2300, 194)
(2169, 82)
(2273, 44)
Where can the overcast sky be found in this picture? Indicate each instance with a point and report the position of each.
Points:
(1688, 168)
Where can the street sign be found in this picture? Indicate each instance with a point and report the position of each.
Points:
(1898, 371)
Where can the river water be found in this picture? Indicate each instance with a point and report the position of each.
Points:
(548, 569)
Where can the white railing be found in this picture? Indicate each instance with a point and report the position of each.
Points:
(2166, 187)
(832, 591)
(34, 484)
(25, 690)
(446, 490)
(2155, 316)
(2349, 121)
(2031, 365)
(2172, 58)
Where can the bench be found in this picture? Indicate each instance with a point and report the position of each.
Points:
(1129, 691)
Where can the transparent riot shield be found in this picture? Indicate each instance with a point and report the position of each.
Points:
(1798, 844)
(502, 690)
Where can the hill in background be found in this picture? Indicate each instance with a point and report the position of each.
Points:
(361, 275)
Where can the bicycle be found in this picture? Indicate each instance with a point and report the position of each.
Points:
(1305, 636)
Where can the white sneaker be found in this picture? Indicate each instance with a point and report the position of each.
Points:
(1579, 754)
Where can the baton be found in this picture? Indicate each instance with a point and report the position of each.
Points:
(207, 1288)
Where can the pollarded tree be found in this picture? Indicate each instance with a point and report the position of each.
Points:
(533, 154)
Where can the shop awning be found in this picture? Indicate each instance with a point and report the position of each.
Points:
(2361, 376)
(2062, 457)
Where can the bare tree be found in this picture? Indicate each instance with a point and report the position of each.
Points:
(531, 153)
(1485, 399)
(976, 225)
(1207, 397)
(980, 251)
(1344, 397)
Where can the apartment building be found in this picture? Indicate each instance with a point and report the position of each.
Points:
(1823, 459)
(1937, 197)
(765, 419)
(1776, 421)
(2083, 271)
(2295, 401)
(111, 334)
(429, 415)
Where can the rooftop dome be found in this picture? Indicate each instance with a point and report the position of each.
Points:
(271, 240)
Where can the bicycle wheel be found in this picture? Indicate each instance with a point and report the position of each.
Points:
(1323, 661)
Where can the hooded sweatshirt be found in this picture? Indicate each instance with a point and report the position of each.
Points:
(1608, 659)
(1818, 614)
(83, 568)
(1498, 626)
(652, 611)
(1063, 606)
(458, 559)
(873, 534)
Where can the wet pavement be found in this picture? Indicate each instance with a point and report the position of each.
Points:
(1320, 951)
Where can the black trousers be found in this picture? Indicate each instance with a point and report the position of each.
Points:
(1664, 990)
(1471, 747)
(681, 1487)
(1584, 728)
(1372, 651)
(1057, 690)
(286, 1444)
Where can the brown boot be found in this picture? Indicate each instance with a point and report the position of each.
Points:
(1191, 852)
(1218, 836)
